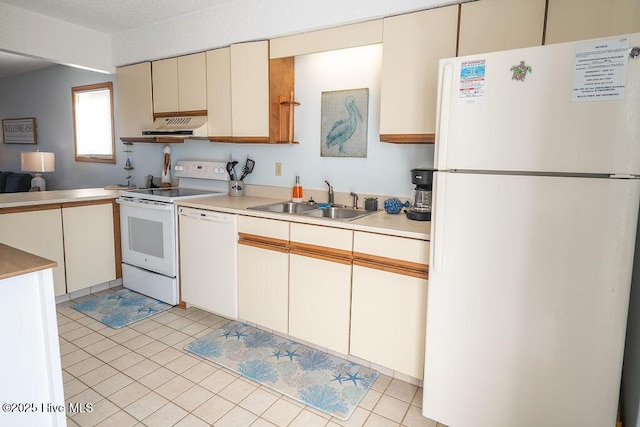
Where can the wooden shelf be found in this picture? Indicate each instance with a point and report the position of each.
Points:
(153, 139)
(416, 138)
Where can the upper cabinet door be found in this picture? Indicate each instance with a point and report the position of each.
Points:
(192, 82)
(165, 85)
(135, 107)
(571, 20)
(493, 25)
(180, 84)
(413, 45)
(219, 92)
(250, 89)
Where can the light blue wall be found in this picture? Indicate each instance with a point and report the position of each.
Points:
(46, 95)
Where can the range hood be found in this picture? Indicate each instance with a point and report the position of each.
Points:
(180, 126)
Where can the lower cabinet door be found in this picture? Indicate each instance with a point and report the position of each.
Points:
(263, 276)
(388, 319)
(89, 246)
(40, 233)
(319, 301)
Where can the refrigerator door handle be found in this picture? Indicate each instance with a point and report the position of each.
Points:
(437, 223)
(442, 119)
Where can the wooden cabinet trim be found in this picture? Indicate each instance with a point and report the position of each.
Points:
(392, 269)
(409, 138)
(30, 208)
(324, 256)
(241, 139)
(321, 252)
(179, 114)
(406, 268)
(272, 241)
(262, 242)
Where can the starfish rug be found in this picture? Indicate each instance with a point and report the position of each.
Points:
(323, 381)
(121, 308)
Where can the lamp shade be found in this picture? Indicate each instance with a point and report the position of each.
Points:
(37, 161)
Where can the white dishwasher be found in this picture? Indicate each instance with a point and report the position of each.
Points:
(209, 260)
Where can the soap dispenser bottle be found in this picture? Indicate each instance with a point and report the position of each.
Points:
(297, 191)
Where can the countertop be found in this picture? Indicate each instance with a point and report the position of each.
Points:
(14, 262)
(379, 222)
(9, 200)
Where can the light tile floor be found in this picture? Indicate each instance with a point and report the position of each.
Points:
(140, 375)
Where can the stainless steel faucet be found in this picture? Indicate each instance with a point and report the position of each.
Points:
(330, 192)
(355, 200)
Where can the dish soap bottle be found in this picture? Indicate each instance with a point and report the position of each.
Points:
(297, 191)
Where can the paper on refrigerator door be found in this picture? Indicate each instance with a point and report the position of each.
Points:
(600, 70)
(472, 82)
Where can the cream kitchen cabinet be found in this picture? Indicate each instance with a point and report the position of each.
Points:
(238, 92)
(135, 105)
(180, 84)
(89, 244)
(320, 285)
(493, 25)
(250, 89)
(37, 230)
(571, 20)
(413, 45)
(219, 92)
(263, 272)
(389, 300)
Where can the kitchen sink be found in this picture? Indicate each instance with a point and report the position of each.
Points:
(345, 214)
(285, 207)
(332, 212)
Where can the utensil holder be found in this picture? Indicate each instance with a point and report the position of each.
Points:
(370, 205)
(236, 188)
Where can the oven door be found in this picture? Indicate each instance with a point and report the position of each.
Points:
(148, 235)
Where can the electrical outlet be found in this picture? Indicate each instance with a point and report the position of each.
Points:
(278, 169)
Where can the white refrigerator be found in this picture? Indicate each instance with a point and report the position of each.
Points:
(535, 210)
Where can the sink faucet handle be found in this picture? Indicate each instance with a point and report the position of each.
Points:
(355, 200)
(330, 191)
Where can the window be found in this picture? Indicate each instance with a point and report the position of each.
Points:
(93, 130)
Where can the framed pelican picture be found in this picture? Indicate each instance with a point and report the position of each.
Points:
(344, 123)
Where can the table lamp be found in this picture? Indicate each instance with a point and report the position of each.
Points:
(37, 162)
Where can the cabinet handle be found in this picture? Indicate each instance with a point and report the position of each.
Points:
(325, 256)
(263, 245)
(442, 130)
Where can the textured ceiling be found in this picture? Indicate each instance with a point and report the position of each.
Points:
(111, 16)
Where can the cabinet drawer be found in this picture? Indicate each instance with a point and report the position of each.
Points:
(264, 227)
(327, 237)
(411, 250)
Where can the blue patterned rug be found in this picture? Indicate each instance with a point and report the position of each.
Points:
(320, 380)
(121, 308)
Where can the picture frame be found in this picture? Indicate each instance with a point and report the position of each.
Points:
(20, 131)
(344, 123)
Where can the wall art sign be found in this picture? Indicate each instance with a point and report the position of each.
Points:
(344, 123)
(19, 131)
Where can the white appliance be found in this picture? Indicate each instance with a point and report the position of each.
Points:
(536, 200)
(182, 126)
(148, 222)
(209, 260)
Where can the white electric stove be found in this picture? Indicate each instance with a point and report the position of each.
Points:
(148, 222)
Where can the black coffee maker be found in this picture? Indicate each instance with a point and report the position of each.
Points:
(420, 208)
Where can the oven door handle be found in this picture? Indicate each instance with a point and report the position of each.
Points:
(142, 205)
